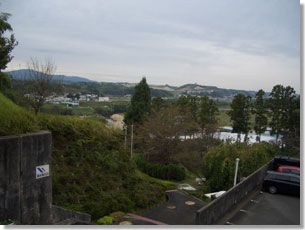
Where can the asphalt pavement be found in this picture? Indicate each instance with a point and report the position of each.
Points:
(179, 209)
(267, 209)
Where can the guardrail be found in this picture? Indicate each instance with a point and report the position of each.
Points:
(219, 207)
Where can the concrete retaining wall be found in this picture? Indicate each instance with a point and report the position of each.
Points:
(61, 215)
(219, 207)
(23, 198)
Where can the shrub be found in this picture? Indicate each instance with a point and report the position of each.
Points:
(105, 220)
(165, 172)
(117, 215)
(218, 165)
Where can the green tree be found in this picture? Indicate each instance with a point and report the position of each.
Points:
(281, 104)
(207, 116)
(292, 138)
(190, 103)
(157, 103)
(5, 82)
(140, 104)
(240, 114)
(7, 44)
(260, 112)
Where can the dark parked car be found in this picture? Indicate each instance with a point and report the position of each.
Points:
(278, 182)
(285, 160)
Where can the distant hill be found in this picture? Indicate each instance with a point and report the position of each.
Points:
(110, 89)
(80, 84)
(24, 74)
(213, 91)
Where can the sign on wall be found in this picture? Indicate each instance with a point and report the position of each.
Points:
(42, 171)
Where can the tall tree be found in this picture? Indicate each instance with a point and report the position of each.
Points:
(281, 104)
(240, 114)
(292, 137)
(260, 112)
(207, 116)
(191, 105)
(7, 44)
(140, 103)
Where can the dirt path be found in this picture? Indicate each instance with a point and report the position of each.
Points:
(117, 121)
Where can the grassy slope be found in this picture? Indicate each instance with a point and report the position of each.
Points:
(91, 170)
(15, 120)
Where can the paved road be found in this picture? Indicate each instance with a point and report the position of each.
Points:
(268, 209)
(180, 209)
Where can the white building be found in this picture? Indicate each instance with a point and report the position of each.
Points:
(100, 99)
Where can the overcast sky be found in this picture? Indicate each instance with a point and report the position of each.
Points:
(239, 44)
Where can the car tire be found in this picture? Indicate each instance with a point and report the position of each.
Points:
(272, 189)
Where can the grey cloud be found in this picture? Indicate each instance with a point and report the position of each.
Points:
(167, 39)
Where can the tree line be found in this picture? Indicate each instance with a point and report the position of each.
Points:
(163, 130)
(280, 111)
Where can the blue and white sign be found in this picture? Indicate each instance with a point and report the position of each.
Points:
(42, 171)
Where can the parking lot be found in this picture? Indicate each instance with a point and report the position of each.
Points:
(267, 209)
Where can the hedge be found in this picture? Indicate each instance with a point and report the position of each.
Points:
(165, 172)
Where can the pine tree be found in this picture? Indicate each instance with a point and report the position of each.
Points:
(140, 104)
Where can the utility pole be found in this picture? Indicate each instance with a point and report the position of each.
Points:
(125, 137)
(236, 170)
(131, 142)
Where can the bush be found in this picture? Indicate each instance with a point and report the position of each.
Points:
(218, 165)
(105, 220)
(165, 172)
(117, 215)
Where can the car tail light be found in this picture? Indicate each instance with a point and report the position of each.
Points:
(264, 180)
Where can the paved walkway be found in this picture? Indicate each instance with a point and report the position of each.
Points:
(180, 209)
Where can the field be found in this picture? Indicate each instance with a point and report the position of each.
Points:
(79, 111)
(59, 109)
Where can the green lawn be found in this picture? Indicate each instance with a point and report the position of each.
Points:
(120, 99)
(224, 119)
(83, 111)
